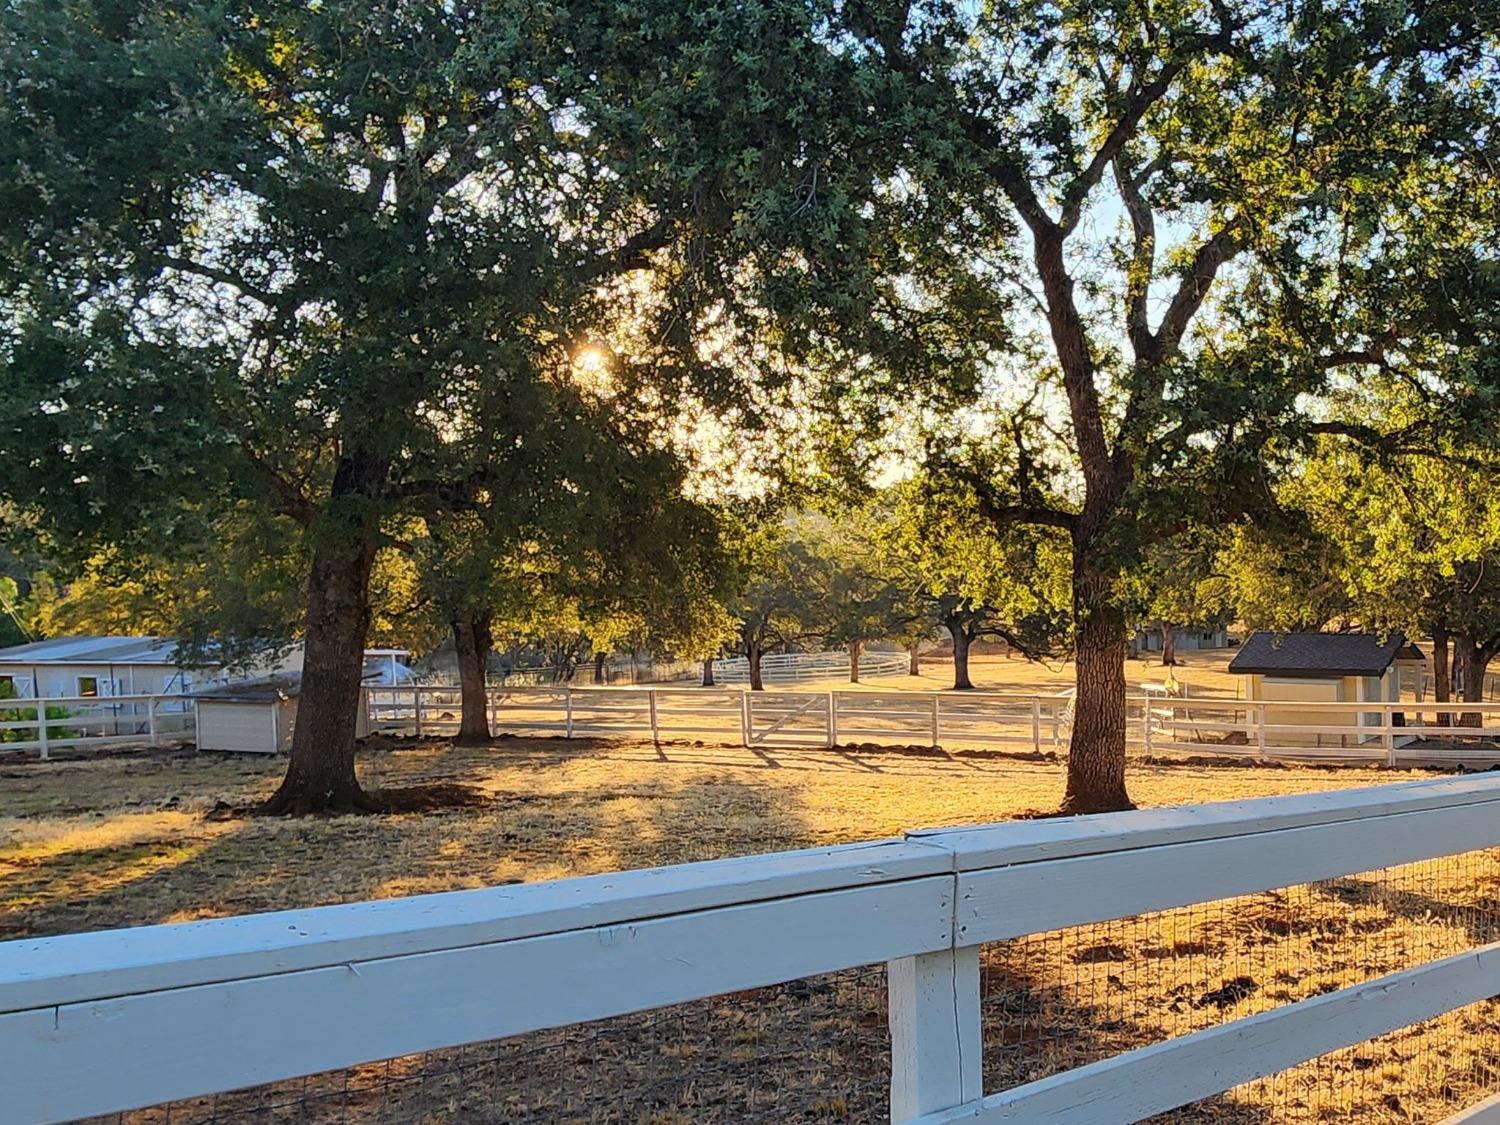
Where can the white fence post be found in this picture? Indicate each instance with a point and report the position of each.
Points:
(745, 717)
(1260, 728)
(937, 722)
(568, 704)
(833, 720)
(1388, 732)
(1036, 724)
(41, 726)
(151, 719)
(655, 726)
(1146, 723)
(936, 1040)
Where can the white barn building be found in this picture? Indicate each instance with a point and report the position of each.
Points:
(82, 667)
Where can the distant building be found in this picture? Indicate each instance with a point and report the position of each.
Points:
(109, 666)
(1292, 670)
(1186, 638)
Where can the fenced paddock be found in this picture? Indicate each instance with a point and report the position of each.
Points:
(1393, 734)
(42, 726)
(804, 667)
(1398, 735)
(1332, 956)
(790, 718)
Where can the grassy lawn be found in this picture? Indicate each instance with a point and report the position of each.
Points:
(131, 839)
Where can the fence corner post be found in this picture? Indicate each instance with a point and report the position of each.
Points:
(655, 725)
(936, 1039)
(833, 720)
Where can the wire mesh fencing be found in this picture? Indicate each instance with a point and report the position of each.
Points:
(1055, 1001)
(818, 1049)
(812, 1050)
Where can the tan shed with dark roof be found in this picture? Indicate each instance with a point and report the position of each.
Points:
(1296, 670)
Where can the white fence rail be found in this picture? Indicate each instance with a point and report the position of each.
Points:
(92, 721)
(982, 720)
(1393, 734)
(801, 667)
(106, 1022)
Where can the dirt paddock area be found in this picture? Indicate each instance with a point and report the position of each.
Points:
(129, 839)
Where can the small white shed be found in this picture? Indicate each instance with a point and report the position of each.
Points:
(255, 718)
(1292, 670)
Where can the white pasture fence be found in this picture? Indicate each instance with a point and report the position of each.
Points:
(107, 1022)
(94, 721)
(801, 667)
(981, 720)
(1393, 734)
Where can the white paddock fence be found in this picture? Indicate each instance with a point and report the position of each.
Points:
(991, 720)
(106, 1022)
(93, 721)
(802, 667)
(1394, 734)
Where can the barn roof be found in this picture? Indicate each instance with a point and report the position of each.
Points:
(1320, 654)
(93, 650)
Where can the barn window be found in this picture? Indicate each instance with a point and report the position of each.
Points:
(88, 685)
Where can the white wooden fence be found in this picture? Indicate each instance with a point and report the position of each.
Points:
(85, 721)
(801, 667)
(1394, 734)
(106, 1022)
(984, 720)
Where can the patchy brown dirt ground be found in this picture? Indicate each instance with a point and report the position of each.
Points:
(140, 838)
(130, 839)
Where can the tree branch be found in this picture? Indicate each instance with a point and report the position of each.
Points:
(1142, 258)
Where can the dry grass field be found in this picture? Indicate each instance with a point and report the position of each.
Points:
(1205, 673)
(140, 838)
(135, 838)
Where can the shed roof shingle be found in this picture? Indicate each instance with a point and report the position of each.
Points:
(1320, 654)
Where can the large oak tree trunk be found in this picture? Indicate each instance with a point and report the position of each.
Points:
(1442, 675)
(1471, 662)
(708, 672)
(1096, 751)
(752, 654)
(473, 640)
(599, 661)
(961, 681)
(854, 647)
(320, 775)
(1168, 644)
(914, 661)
